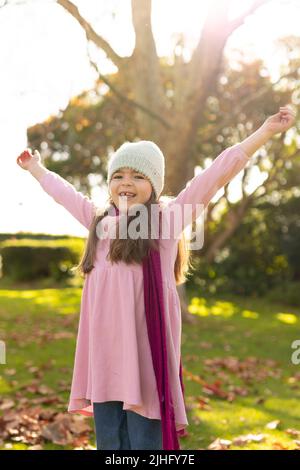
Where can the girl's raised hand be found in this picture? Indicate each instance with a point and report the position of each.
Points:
(26, 159)
(281, 121)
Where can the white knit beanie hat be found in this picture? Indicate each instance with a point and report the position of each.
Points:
(143, 156)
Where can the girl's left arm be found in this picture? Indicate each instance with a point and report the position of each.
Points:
(194, 198)
(199, 191)
(277, 123)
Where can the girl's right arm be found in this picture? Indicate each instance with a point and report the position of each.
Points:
(63, 192)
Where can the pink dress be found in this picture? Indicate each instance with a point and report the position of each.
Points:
(113, 357)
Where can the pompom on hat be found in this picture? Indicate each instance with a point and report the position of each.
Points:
(143, 156)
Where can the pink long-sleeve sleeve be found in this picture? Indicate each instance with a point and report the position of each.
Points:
(199, 191)
(64, 193)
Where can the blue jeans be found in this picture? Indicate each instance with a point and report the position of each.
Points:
(118, 429)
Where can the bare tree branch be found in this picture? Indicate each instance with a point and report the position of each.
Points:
(7, 3)
(125, 98)
(216, 30)
(237, 22)
(91, 34)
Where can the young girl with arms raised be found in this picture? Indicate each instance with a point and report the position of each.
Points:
(128, 371)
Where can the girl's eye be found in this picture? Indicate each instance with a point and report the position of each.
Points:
(136, 176)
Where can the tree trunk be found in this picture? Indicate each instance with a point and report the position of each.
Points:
(233, 220)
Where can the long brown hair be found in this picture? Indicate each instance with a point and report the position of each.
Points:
(131, 250)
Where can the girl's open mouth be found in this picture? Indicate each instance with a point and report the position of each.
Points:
(127, 195)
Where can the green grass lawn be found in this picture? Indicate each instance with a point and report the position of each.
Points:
(240, 346)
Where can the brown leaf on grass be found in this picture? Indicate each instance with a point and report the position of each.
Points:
(224, 376)
(57, 433)
(33, 425)
(33, 369)
(293, 432)
(81, 443)
(63, 428)
(231, 397)
(256, 437)
(193, 377)
(279, 446)
(6, 404)
(210, 389)
(10, 372)
(63, 385)
(273, 424)
(223, 367)
(215, 389)
(235, 391)
(220, 444)
(245, 439)
(47, 414)
(79, 425)
(240, 441)
(11, 415)
(243, 392)
(230, 363)
(44, 390)
(38, 373)
(36, 387)
(47, 400)
(250, 369)
(21, 400)
(203, 403)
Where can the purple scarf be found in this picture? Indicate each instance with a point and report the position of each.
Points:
(155, 317)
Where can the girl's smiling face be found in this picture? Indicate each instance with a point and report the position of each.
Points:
(129, 187)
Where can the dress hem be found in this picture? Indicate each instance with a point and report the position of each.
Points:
(180, 427)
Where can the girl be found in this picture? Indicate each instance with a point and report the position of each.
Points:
(127, 371)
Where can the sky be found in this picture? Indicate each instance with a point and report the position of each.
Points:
(43, 63)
